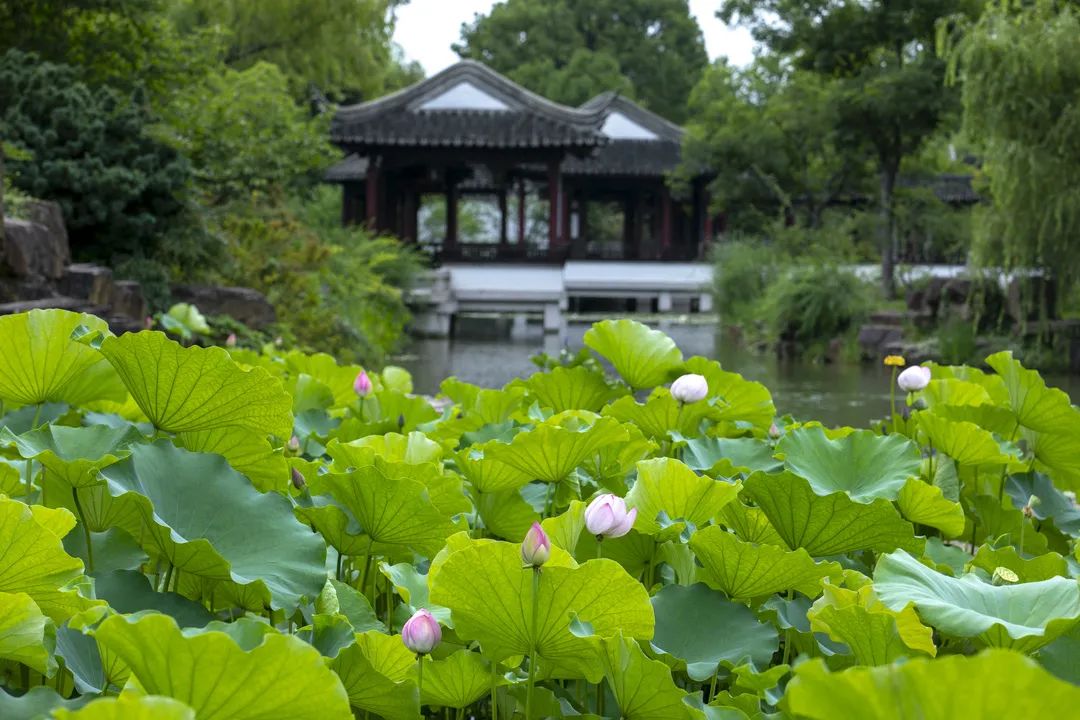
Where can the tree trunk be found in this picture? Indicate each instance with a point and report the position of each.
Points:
(1, 193)
(888, 231)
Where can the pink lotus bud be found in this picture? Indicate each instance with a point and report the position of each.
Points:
(774, 431)
(913, 379)
(293, 445)
(362, 384)
(536, 547)
(690, 388)
(231, 340)
(298, 479)
(421, 633)
(607, 517)
(148, 322)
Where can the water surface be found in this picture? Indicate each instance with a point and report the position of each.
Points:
(484, 354)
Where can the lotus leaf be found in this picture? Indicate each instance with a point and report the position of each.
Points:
(283, 677)
(864, 465)
(551, 450)
(665, 485)
(925, 504)
(738, 400)
(875, 634)
(643, 357)
(1023, 617)
(458, 681)
(995, 684)
(129, 706)
(40, 363)
(570, 388)
(377, 673)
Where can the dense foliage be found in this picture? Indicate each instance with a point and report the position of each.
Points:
(191, 531)
(572, 50)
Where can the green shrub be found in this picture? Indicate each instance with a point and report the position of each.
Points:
(743, 270)
(816, 304)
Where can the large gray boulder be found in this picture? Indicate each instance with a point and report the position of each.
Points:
(30, 249)
(244, 304)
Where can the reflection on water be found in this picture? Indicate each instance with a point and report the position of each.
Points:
(483, 354)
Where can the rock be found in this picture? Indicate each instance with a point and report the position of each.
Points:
(92, 282)
(63, 303)
(888, 317)
(49, 214)
(956, 291)
(13, 289)
(127, 301)
(30, 249)
(873, 339)
(243, 304)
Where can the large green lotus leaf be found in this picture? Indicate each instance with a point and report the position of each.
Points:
(1035, 405)
(552, 449)
(36, 704)
(39, 362)
(1041, 567)
(187, 389)
(248, 453)
(412, 587)
(745, 571)
(570, 388)
(377, 672)
(324, 369)
(491, 598)
(129, 591)
(1052, 503)
(750, 524)
(666, 485)
(1062, 656)
(660, 414)
(26, 635)
(413, 448)
(864, 464)
(444, 489)
(702, 628)
(643, 357)
(875, 634)
(964, 442)
(925, 504)
(33, 561)
(1024, 616)
(953, 391)
(393, 513)
(458, 681)
(309, 394)
(201, 515)
(830, 524)
(643, 688)
(283, 677)
(1058, 453)
(484, 405)
(129, 706)
(488, 475)
(338, 527)
(73, 455)
(992, 685)
(737, 400)
(506, 514)
(726, 456)
(996, 419)
(611, 464)
(353, 605)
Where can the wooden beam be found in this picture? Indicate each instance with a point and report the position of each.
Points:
(554, 211)
(502, 216)
(665, 222)
(450, 244)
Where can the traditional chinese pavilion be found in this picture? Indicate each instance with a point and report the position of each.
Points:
(471, 131)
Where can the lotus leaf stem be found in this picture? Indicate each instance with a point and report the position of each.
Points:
(86, 531)
(494, 693)
(420, 678)
(532, 650)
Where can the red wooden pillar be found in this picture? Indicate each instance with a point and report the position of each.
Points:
(665, 222)
(638, 228)
(409, 209)
(628, 249)
(566, 210)
(372, 194)
(554, 198)
(521, 212)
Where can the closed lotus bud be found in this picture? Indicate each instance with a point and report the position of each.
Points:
(294, 444)
(401, 421)
(913, 379)
(607, 516)
(536, 547)
(362, 384)
(774, 431)
(231, 340)
(421, 633)
(690, 388)
(148, 322)
(298, 479)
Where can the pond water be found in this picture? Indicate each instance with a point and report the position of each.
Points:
(483, 353)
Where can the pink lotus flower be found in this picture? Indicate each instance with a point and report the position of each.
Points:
(536, 547)
(607, 516)
(297, 478)
(362, 384)
(421, 633)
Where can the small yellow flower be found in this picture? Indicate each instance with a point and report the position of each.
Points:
(895, 360)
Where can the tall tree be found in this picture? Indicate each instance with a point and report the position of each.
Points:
(890, 92)
(571, 50)
(1020, 71)
(338, 47)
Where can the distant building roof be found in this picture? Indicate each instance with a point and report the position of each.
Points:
(467, 105)
(351, 168)
(641, 142)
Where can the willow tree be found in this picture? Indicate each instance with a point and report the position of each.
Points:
(1020, 72)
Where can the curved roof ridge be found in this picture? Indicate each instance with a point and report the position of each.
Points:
(411, 97)
(610, 100)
